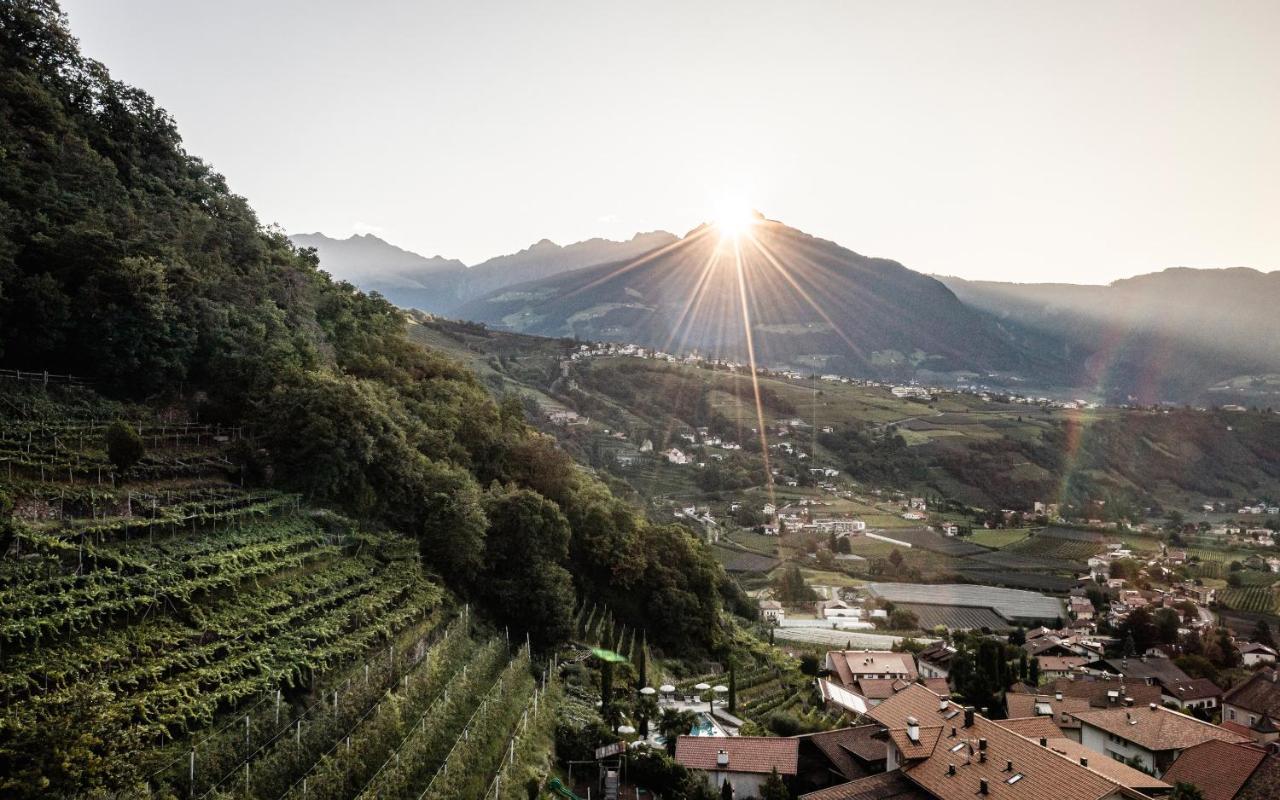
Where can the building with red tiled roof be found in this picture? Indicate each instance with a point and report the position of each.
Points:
(873, 674)
(1222, 771)
(1195, 693)
(1255, 700)
(953, 753)
(1033, 727)
(1061, 698)
(839, 756)
(1151, 737)
(745, 762)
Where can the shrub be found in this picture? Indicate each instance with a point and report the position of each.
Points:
(124, 446)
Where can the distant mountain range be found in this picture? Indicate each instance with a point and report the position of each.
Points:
(1184, 335)
(1169, 334)
(439, 285)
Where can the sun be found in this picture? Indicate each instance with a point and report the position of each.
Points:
(734, 219)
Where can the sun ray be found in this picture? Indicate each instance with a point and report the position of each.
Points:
(751, 362)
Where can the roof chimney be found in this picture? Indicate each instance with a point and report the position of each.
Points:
(982, 756)
(1008, 766)
(1044, 742)
(1152, 706)
(913, 729)
(1057, 695)
(982, 786)
(1084, 762)
(942, 704)
(982, 744)
(968, 716)
(951, 770)
(722, 758)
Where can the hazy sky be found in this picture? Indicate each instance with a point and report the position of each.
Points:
(1021, 140)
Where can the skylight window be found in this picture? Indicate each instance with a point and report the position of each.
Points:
(958, 747)
(1014, 778)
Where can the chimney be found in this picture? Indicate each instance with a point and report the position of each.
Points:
(1152, 706)
(982, 744)
(1044, 742)
(942, 704)
(722, 758)
(982, 786)
(913, 729)
(951, 770)
(982, 756)
(1057, 695)
(953, 731)
(1084, 762)
(1008, 766)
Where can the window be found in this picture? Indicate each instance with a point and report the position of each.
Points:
(1017, 776)
(1231, 712)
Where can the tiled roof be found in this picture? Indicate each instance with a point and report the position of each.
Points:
(1015, 768)
(850, 664)
(1194, 689)
(1236, 727)
(1098, 690)
(1025, 705)
(877, 688)
(1061, 663)
(885, 786)
(1032, 727)
(1156, 728)
(916, 701)
(1260, 694)
(843, 745)
(1109, 768)
(1217, 769)
(1159, 670)
(746, 753)
(923, 748)
(937, 685)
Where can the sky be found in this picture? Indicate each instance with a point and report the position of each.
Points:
(1023, 140)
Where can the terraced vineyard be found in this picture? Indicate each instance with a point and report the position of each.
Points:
(1058, 548)
(212, 640)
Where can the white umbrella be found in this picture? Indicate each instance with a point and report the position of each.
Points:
(626, 730)
(721, 689)
(702, 687)
(666, 688)
(648, 690)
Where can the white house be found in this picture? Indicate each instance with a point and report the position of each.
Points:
(1150, 738)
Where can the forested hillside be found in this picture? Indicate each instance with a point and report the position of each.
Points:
(128, 263)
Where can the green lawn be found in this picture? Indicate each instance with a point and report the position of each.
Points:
(998, 538)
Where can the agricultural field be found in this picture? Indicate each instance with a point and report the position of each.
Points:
(954, 617)
(1249, 598)
(1055, 549)
(997, 538)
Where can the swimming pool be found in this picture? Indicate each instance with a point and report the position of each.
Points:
(706, 726)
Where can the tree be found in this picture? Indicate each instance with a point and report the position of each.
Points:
(1033, 672)
(726, 790)
(895, 558)
(673, 724)
(901, 619)
(124, 446)
(733, 687)
(1167, 622)
(774, 788)
(1262, 634)
(1185, 791)
(808, 664)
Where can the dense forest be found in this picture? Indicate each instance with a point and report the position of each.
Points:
(129, 263)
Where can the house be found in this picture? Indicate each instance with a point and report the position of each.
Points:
(1040, 731)
(1150, 737)
(1060, 666)
(1225, 771)
(1154, 671)
(1080, 608)
(849, 667)
(1253, 653)
(836, 757)
(771, 611)
(954, 753)
(935, 660)
(1193, 694)
(1255, 701)
(676, 456)
(1061, 698)
(744, 762)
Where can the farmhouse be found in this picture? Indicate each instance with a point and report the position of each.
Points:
(1151, 737)
(1254, 702)
(1253, 653)
(771, 611)
(744, 762)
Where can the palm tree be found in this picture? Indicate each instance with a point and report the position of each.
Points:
(674, 723)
